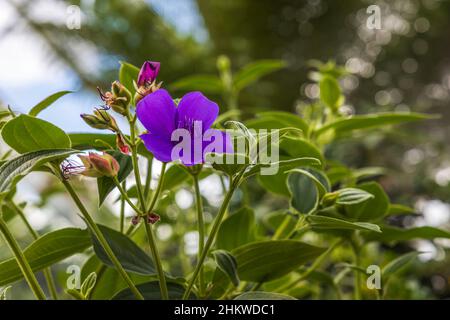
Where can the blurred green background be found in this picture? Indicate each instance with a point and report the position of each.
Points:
(403, 66)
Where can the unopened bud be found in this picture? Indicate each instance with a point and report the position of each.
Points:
(120, 142)
(97, 165)
(101, 119)
(121, 98)
(135, 220)
(153, 218)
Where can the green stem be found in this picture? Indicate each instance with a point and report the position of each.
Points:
(125, 196)
(155, 196)
(47, 272)
(98, 234)
(21, 261)
(134, 159)
(201, 231)
(157, 260)
(122, 208)
(212, 235)
(148, 178)
(357, 276)
(282, 228)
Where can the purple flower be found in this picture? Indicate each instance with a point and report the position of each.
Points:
(148, 73)
(190, 122)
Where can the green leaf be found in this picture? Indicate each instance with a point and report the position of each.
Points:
(399, 209)
(131, 257)
(268, 260)
(326, 223)
(205, 83)
(173, 177)
(299, 148)
(371, 209)
(277, 120)
(394, 234)
(261, 295)
(151, 291)
(256, 70)
(13, 170)
(227, 263)
(371, 121)
(25, 133)
(47, 102)
(230, 163)
(236, 230)
(290, 148)
(106, 184)
(46, 251)
(349, 196)
(306, 189)
(127, 74)
(283, 165)
(100, 141)
(398, 263)
(330, 92)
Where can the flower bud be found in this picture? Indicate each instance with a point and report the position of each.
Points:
(121, 98)
(152, 218)
(93, 121)
(141, 92)
(146, 81)
(148, 73)
(120, 142)
(97, 165)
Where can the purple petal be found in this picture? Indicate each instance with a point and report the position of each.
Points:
(194, 106)
(148, 73)
(157, 112)
(161, 147)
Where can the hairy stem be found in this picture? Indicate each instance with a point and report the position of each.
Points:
(157, 260)
(125, 196)
(201, 231)
(122, 208)
(47, 271)
(21, 261)
(212, 235)
(98, 234)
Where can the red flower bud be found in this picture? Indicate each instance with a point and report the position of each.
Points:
(99, 165)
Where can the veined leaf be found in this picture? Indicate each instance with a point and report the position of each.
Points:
(330, 92)
(307, 189)
(399, 209)
(268, 260)
(204, 83)
(277, 120)
(13, 170)
(348, 196)
(106, 184)
(371, 121)
(325, 223)
(283, 165)
(394, 234)
(46, 251)
(127, 74)
(398, 263)
(236, 230)
(372, 209)
(227, 263)
(25, 134)
(131, 257)
(47, 102)
(255, 70)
